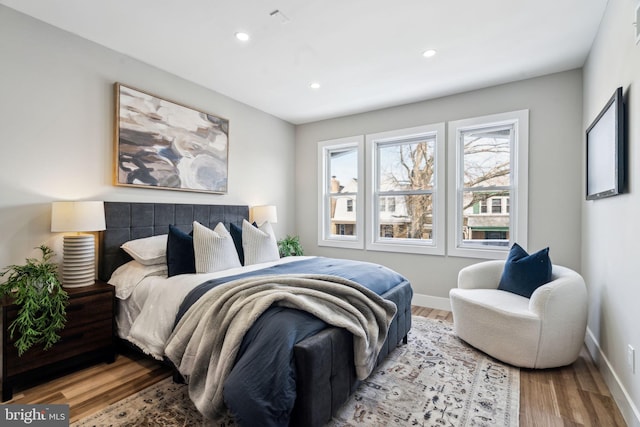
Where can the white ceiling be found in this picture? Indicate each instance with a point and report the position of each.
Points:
(366, 54)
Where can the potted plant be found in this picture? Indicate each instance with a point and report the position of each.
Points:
(42, 301)
(290, 246)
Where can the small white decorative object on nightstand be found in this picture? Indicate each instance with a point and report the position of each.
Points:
(78, 265)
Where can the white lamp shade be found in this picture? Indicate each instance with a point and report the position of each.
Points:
(77, 216)
(262, 214)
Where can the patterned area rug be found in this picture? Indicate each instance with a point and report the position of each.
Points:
(435, 380)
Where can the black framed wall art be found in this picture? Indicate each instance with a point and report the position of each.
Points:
(605, 139)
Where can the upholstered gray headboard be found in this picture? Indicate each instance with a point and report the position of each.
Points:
(127, 221)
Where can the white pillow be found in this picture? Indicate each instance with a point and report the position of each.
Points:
(149, 250)
(127, 276)
(259, 244)
(214, 249)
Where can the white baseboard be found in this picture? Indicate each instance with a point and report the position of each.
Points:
(623, 400)
(438, 303)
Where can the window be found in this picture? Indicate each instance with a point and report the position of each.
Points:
(405, 181)
(496, 205)
(387, 204)
(488, 184)
(340, 177)
(404, 178)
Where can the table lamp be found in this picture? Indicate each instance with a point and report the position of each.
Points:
(78, 258)
(264, 213)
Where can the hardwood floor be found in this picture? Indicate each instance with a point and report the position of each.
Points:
(570, 396)
(91, 389)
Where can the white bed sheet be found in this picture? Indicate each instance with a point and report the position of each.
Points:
(147, 316)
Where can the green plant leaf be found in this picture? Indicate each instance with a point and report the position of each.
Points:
(290, 246)
(42, 301)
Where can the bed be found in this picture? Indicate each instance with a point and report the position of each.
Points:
(325, 374)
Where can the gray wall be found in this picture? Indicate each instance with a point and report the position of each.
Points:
(56, 134)
(610, 227)
(555, 189)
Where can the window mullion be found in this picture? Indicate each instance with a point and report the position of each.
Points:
(403, 193)
(489, 189)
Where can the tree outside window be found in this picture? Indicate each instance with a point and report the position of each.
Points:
(405, 173)
(406, 205)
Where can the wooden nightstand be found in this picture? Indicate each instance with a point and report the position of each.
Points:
(88, 336)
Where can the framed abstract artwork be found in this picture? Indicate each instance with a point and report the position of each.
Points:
(165, 145)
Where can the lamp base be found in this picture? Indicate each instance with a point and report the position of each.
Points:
(78, 261)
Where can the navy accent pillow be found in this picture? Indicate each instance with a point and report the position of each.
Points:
(524, 273)
(236, 235)
(181, 257)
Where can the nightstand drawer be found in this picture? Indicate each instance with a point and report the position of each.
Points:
(80, 310)
(89, 309)
(73, 341)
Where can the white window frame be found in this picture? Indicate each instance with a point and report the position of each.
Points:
(324, 181)
(519, 195)
(434, 246)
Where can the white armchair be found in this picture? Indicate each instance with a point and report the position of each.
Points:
(544, 331)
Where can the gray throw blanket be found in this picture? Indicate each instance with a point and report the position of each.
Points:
(204, 344)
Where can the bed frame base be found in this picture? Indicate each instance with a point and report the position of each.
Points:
(325, 374)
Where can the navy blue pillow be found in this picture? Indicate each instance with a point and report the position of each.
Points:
(236, 235)
(181, 257)
(524, 273)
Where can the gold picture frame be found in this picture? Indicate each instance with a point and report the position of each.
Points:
(165, 145)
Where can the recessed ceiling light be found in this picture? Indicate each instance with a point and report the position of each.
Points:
(429, 53)
(243, 37)
(314, 85)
